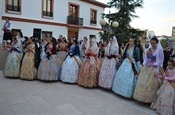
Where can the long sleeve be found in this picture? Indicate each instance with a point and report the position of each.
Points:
(9, 27)
(159, 58)
(137, 54)
(77, 50)
(171, 78)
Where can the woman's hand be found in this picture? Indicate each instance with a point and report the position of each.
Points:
(149, 65)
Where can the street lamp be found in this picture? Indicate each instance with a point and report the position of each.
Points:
(108, 26)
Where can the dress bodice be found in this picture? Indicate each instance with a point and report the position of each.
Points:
(151, 57)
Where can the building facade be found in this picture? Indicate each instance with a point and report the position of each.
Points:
(70, 18)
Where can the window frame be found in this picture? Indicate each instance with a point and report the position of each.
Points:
(51, 8)
(76, 5)
(13, 11)
(91, 21)
(46, 33)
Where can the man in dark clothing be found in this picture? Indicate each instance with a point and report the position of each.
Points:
(167, 54)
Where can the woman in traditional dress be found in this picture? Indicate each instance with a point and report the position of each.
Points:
(148, 84)
(28, 67)
(83, 48)
(70, 67)
(125, 78)
(49, 68)
(12, 64)
(88, 73)
(43, 53)
(164, 102)
(108, 68)
(62, 49)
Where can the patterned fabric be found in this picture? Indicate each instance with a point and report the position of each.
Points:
(164, 102)
(147, 85)
(69, 70)
(28, 71)
(62, 55)
(42, 54)
(88, 74)
(125, 80)
(12, 64)
(107, 73)
(49, 70)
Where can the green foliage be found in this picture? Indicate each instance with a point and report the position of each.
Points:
(124, 16)
(163, 42)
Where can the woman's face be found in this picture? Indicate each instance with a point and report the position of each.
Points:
(85, 39)
(105, 43)
(131, 42)
(29, 40)
(72, 40)
(153, 43)
(48, 39)
(110, 40)
(170, 65)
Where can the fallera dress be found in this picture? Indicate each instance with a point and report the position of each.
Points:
(125, 78)
(12, 64)
(28, 70)
(50, 66)
(70, 67)
(147, 83)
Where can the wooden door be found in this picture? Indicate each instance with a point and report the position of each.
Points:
(72, 34)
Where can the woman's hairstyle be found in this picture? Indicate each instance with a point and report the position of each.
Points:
(86, 38)
(75, 40)
(20, 33)
(172, 61)
(154, 38)
(134, 38)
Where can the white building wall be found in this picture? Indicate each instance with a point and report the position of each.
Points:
(32, 9)
(27, 28)
(87, 33)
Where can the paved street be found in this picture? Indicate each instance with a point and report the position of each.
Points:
(20, 97)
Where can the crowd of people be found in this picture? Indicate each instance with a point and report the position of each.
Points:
(127, 69)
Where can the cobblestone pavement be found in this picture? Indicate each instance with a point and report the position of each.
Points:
(20, 97)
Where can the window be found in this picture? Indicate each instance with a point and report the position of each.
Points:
(73, 10)
(93, 16)
(46, 33)
(73, 16)
(13, 5)
(47, 8)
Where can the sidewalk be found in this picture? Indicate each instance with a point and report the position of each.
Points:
(20, 97)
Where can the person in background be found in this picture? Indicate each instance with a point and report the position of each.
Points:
(108, 68)
(164, 101)
(29, 64)
(12, 64)
(7, 36)
(62, 49)
(125, 78)
(167, 53)
(50, 66)
(83, 48)
(88, 73)
(147, 83)
(71, 64)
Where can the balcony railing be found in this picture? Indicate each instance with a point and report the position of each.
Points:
(49, 14)
(93, 22)
(13, 8)
(75, 20)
